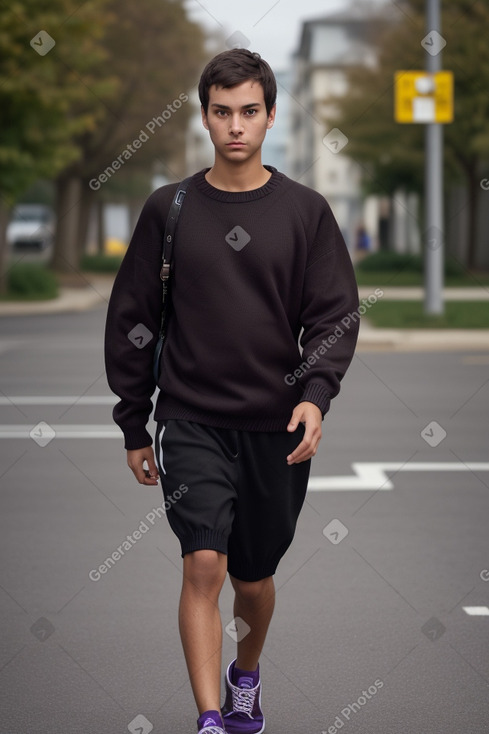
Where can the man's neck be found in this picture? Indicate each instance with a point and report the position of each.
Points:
(246, 177)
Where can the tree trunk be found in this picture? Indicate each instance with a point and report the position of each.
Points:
(100, 204)
(84, 217)
(390, 229)
(383, 224)
(474, 193)
(135, 206)
(4, 220)
(66, 257)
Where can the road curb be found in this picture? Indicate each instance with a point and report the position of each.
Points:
(370, 338)
(420, 340)
(414, 293)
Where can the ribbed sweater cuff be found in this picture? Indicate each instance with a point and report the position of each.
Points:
(318, 395)
(136, 438)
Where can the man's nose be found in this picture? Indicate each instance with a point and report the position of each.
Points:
(236, 124)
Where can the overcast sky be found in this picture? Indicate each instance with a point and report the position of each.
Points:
(272, 26)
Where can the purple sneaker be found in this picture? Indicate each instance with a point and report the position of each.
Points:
(242, 712)
(209, 724)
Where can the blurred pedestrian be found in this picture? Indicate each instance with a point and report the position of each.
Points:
(260, 267)
(363, 240)
(362, 243)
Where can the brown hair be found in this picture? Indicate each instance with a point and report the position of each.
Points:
(234, 67)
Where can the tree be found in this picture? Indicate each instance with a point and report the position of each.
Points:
(155, 52)
(392, 154)
(37, 134)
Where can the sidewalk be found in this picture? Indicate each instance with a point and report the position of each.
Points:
(412, 293)
(420, 340)
(370, 338)
(70, 299)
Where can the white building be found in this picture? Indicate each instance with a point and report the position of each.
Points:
(276, 144)
(318, 153)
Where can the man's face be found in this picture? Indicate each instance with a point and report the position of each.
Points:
(237, 120)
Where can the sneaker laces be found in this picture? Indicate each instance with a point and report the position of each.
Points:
(243, 700)
(211, 730)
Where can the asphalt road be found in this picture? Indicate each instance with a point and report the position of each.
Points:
(371, 632)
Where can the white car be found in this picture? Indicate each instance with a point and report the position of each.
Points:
(31, 227)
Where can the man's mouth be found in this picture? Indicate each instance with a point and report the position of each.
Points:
(235, 143)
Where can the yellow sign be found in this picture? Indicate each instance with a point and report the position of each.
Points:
(421, 97)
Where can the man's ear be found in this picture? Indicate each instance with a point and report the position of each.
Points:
(204, 117)
(271, 117)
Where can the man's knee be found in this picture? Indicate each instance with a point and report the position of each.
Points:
(251, 591)
(205, 567)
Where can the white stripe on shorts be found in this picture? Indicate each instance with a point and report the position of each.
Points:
(160, 449)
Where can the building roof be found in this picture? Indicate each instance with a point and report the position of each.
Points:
(339, 39)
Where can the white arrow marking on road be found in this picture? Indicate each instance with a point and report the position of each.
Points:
(372, 475)
(477, 611)
(368, 475)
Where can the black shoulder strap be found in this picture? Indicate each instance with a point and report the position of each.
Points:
(168, 241)
(171, 224)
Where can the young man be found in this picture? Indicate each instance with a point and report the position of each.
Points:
(259, 266)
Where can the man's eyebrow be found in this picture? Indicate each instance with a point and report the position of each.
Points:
(244, 107)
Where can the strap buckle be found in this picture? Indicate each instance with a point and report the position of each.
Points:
(180, 195)
(165, 271)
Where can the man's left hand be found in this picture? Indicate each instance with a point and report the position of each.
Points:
(311, 416)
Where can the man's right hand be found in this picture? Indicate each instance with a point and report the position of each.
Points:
(135, 461)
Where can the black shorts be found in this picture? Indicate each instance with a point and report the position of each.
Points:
(232, 491)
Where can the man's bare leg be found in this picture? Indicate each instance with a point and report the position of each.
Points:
(254, 602)
(199, 619)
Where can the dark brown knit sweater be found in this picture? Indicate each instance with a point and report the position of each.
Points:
(256, 273)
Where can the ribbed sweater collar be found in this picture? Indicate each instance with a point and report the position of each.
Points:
(236, 197)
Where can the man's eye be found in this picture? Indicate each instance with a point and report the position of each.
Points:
(251, 113)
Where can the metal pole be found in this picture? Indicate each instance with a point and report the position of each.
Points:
(434, 236)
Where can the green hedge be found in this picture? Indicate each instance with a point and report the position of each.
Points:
(101, 263)
(410, 315)
(381, 262)
(30, 281)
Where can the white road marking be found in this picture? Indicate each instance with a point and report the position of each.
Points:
(63, 431)
(367, 476)
(58, 400)
(371, 475)
(477, 611)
